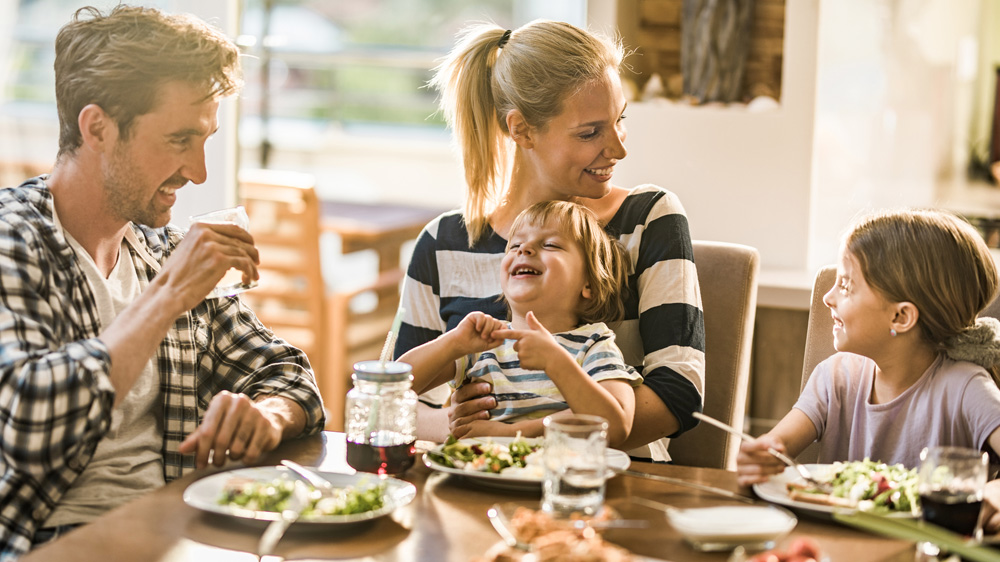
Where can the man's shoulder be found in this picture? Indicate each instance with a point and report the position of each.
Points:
(31, 198)
(26, 210)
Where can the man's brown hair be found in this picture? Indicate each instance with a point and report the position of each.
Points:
(120, 61)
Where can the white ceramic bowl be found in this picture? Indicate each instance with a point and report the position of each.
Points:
(726, 527)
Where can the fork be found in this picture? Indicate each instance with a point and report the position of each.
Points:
(276, 529)
(310, 476)
(826, 487)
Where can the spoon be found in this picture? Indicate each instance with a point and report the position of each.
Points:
(799, 467)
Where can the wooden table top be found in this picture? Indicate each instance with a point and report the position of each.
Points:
(445, 522)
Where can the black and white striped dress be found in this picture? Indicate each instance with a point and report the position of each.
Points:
(662, 335)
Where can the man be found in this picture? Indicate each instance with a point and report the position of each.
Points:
(116, 373)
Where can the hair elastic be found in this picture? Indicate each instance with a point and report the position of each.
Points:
(503, 39)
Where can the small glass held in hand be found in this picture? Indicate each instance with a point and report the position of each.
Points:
(232, 282)
(575, 465)
(950, 483)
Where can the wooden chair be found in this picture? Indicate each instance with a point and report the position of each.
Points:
(292, 298)
(727, 274)
(13, 172)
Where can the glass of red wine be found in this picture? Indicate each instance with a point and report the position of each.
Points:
(950, 482)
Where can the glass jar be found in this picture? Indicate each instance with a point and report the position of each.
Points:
(381, 418)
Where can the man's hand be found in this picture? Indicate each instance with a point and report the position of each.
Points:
(236, 427)
(203, 257)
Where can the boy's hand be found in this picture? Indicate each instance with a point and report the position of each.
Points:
(475, 333)
(755, 465)
(535, 346)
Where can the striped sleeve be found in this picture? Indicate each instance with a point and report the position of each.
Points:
(664, 329)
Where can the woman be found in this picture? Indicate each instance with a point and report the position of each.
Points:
(550, 93)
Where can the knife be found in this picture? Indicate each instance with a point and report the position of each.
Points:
(276, 529)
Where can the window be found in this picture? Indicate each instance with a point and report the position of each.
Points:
(320, 72)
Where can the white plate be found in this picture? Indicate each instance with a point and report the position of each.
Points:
(775, 491)
(615, 459)
(204, 494)
(726, 527)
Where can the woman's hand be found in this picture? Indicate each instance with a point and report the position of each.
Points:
(755, 464)
(470, 403)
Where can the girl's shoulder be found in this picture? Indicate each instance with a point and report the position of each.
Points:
(844, 369)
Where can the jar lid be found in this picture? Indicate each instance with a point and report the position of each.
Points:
(376, 371)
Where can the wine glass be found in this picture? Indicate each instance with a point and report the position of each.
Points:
(950, 482)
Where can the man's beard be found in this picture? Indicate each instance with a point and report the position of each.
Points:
(125, 193)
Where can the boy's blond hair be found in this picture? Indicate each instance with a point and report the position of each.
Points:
(606, 263)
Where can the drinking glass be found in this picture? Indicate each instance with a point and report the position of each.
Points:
(950, 483)
(232, 282)
(574, 461)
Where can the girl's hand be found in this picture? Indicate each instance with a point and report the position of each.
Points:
(755, 465)
(475, 333)
(535, 346)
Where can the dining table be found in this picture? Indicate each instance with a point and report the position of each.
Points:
(446, 521)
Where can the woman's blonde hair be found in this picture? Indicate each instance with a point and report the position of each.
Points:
(930, 258)
(606, 262)
(491, 72)
(121, 60)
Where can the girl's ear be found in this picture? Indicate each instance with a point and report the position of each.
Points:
(519, 129)
(586, 291)
(906, 317)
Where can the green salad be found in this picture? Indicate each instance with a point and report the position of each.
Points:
(274, 496)
(876, 487)
(488, 456)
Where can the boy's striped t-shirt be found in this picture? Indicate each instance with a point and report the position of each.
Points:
(524, 394)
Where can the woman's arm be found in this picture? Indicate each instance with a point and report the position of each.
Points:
(664, 327)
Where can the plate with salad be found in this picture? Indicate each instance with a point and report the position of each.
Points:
(260, 493)
(509, 463)
(869, 486)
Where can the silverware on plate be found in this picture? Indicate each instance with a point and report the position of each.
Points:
(315, 479)
(276, 529)
(799, 467)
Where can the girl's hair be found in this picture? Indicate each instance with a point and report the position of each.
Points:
(491, 72)
(606, 262)
(932, 259)
(120, 61)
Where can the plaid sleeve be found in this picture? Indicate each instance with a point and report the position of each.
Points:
(55, 395)
(243, 356)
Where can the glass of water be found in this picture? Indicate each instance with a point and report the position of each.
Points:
(232, 282)
(575, 467)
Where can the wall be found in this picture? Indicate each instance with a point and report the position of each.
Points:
(736, 169)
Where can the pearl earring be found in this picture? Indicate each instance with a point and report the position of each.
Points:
(892, 332)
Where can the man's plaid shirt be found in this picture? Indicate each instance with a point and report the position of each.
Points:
(55, 395)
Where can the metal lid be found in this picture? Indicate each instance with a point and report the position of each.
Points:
(376, 371)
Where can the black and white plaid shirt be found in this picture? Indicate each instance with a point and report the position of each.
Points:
(55, 395)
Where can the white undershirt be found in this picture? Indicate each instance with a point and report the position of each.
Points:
(128, 460)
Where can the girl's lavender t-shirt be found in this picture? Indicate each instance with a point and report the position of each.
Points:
(953, 403)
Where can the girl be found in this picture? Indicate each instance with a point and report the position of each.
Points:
(539, 114)
(561, 277)
(912, 368)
